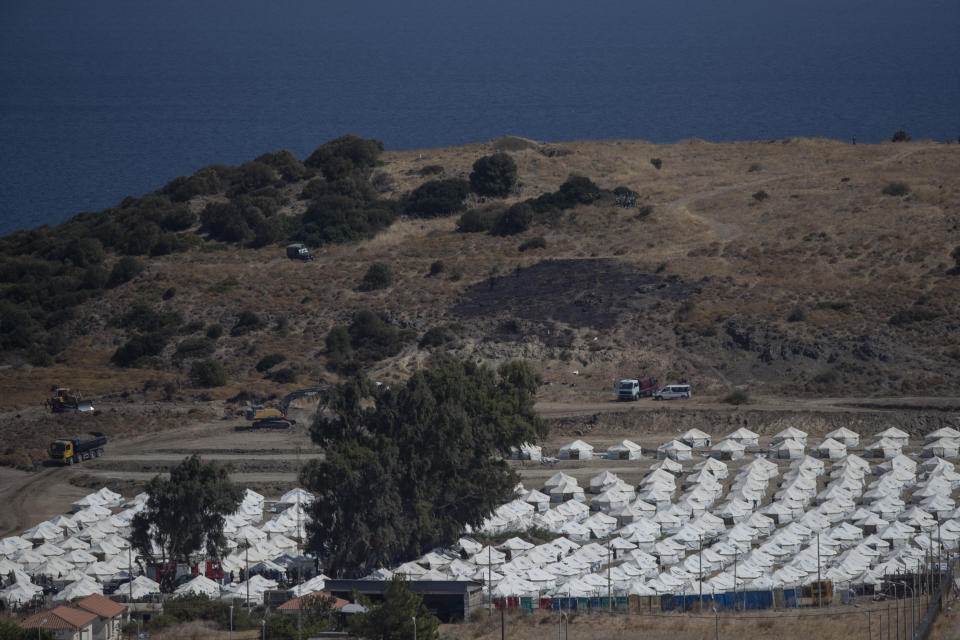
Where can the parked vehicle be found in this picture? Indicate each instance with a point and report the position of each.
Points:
(298, 252)
(70, 450)
(672, 391)
(634, 389)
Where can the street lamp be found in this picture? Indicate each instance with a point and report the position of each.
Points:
(40, 626)
(913, 626)
(231, 622)
(263, 629)
(414, 627)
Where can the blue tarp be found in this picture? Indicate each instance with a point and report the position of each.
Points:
(741, 600)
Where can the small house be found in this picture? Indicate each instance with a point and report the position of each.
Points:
(64, 623)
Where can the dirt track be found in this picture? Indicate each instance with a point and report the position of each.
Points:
(269, 460)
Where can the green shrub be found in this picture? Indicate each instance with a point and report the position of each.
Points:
(125, 270)
(737, 397)
(247, 322)
(208, 373)
(479, 219)
(343, 155)
(285, 164)
(494, 176)
(896, 189)
(657, 163)
(270, 361)
(536, 242)
(796, 315)
(437, 267)
(169, 293)
(576, 190)
(436, 198)
(901, 136)
(214, 331)
(198, 347)
(373, 337)
(433, 337)
(914, 314)
(379, 276)
(431, 170)
(516, 219)
(283, 376)
(761, 195)
(457, 274)
(625, 198)
(138, 347)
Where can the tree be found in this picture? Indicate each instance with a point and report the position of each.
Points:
(341, 156)
(494, 176)
(407, 474)
(395, 617)
(516, 219)
(184, 515)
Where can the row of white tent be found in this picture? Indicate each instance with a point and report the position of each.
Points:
(789, 443)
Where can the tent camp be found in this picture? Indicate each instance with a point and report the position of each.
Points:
(526, 451)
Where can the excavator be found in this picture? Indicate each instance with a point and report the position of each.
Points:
(264, 417)
(67, 400)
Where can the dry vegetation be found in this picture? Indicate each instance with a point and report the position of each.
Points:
(791, 294)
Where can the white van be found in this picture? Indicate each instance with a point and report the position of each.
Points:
(672, 391)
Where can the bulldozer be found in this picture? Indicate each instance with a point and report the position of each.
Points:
(68, 400)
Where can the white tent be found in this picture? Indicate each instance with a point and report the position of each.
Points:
(669, 465)
(675, 450)
(945, 432)
(942, 448)
(624, 450)
(896, 435)
(696, 438)
(557, 479)
(603, 481)
(139, 587)
(845, 436)
(791, 433)
(885, 448)
(296, 496)
(745, 437)
(831, 448)
(20, 593)
(79, 589)
(727, 450)
(539, 500)
(790, 449)
(526, 451)
(576, 450)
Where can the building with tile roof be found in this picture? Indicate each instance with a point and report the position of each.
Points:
(109, 614)
(65, 623)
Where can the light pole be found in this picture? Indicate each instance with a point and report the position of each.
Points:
(913, 628)
(40, 626)
(609, 561)
(414, 627)
(231, 622)
(263, 629)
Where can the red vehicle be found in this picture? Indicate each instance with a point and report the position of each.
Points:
(648, 386)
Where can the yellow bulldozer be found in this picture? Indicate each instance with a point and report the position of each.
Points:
(268, 417)
(68, 400)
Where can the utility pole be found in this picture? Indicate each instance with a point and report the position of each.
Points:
(700, 578)
(609, 562)
(489, 580)
(299, 575)
(819, 584)
(735, 556)
(414, 627)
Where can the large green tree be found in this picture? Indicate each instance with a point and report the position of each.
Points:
(404, 473)
(494, 176)
(184, 514)
(395, 617)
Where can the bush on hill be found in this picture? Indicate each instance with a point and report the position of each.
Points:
(516, 219)
(437, 198)
(343, 155)
(378, 276)
(480, 219)
(208, 373)
(575, 190)
(494, 176)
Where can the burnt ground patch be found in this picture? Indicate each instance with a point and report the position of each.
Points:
(580, 293)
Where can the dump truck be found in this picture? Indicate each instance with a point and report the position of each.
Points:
(71, 450)
(299, 252)
(635, 388)
(68, 400)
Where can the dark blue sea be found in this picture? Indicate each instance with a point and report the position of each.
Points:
(103, 99)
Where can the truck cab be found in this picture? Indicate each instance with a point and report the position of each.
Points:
(628, 390)
(62, 451)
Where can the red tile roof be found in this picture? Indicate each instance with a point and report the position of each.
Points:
(103, 607)
(293, 605)
(59, 618)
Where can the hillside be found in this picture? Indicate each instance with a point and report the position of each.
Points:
(779, 267)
